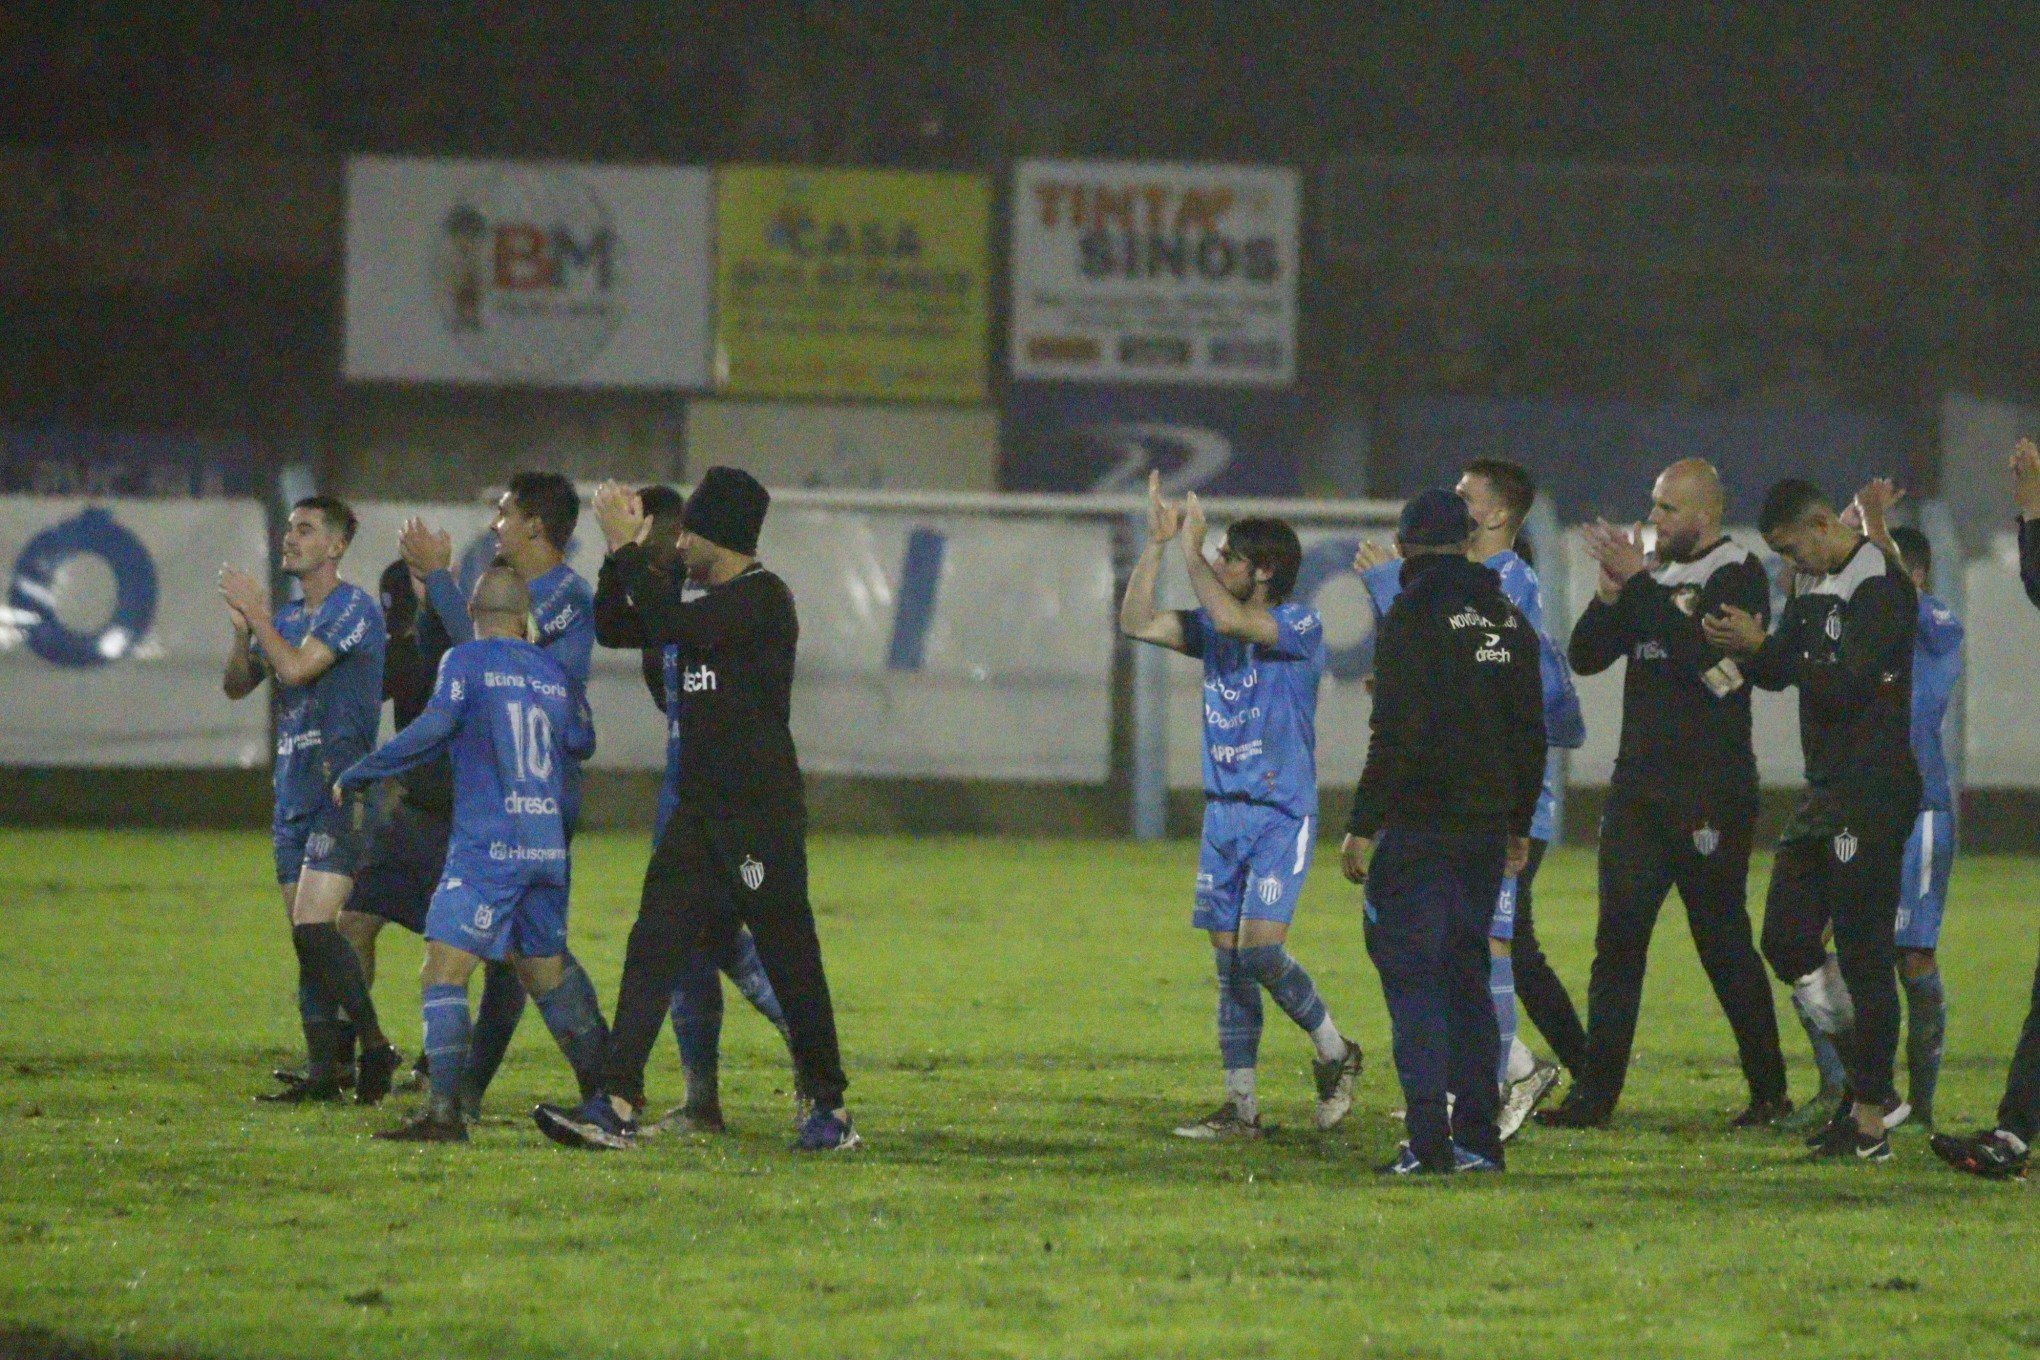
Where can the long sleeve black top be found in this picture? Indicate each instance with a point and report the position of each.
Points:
(1685, 708)
(1457, 733)
(1846, 643)
(736, 647)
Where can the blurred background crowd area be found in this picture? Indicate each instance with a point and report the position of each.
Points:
(1820, 208)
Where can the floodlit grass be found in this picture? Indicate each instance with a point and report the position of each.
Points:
(1022, 1022)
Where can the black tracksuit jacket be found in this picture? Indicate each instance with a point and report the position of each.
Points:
(1457, 740)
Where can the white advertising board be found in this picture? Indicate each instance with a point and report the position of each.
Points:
(527, 274)
(1137, 272)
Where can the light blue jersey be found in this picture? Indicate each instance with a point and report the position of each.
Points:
(327, 725)
(562, 612)
(1564, 726)
(1937, 670)
(509, 721)
(1260, 710)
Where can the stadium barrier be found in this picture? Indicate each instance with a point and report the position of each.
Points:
(959, 666)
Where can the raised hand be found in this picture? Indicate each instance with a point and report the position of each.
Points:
(1165, 519)
(2026, 478)
(620, 513)
(1734, 631)
(1371, 554)
(1619, 551)
(1873, 506)
(246, 597)
(1193, 523)
(424, 549)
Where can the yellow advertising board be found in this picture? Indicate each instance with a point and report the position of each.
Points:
(851, 283)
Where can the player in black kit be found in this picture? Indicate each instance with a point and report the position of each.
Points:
(1683, 802)
(1846, 643)
(738, 831)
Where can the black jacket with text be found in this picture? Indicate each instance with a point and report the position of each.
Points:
(1685, 708)
(1457, 742)
(736, 656)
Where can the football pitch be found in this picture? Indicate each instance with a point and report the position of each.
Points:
(1022, 1021)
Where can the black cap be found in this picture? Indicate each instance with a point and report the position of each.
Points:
(1437, 518)
(728, 509)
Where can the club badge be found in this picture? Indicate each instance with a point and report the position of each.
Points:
(1706, 840)
(1845, 846)
(753, 873)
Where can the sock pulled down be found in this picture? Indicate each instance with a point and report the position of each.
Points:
(1275, 968)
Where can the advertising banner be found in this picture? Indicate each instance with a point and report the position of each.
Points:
(539, 274)
(112, 636)
(851, 283)
(842, 444)
(930, 646)
(62, 461)
(1078, 437)
(1163, 273)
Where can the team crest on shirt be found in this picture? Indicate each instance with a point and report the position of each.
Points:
(1269, 891)
(1687, 598)
(1833, 626)
(1706, 840)
(752, 872)
(1845, 846)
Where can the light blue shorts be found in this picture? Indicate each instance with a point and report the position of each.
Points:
(1252, 865)
(1923, 883)
(528, 920)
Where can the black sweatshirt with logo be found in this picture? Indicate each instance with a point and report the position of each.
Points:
(1457, 733)
(1685, 708)
(1846, 642)
(736, 655)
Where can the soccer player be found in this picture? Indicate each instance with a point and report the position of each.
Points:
(739, 830)
(510, 720)
(2002, 1152)
(1846, 644)
(1455, 762)
(407, 843)
(1263, 656)
(1683, 803)
(697, 1008)
(325, 653)
(535, 521)
(1499, 494)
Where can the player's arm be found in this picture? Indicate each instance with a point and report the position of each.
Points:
(1653, 613)
(428, 553)
(707, 620)
(578, 741)
(1525, 739)
(568, 637)
(291, 663)
(616, 618)
(244, 668)
(425, 738)
(654, 666)
(1138, 617)
(1229, 617)
(1395, 727)
(2026, 496)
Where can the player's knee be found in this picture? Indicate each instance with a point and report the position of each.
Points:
(1914, 964)
(1500, 949)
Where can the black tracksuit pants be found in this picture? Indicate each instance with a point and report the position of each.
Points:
(1649, 847)
(2019, 1111)
(1545, 999)
(702, 871)
(1850, 880)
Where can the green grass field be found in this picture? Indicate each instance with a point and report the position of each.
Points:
(1022, 1022)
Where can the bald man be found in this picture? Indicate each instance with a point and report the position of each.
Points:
(1684, 796)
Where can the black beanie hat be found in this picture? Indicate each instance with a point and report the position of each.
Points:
(727, 508)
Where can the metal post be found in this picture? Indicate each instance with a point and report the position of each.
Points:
(1547, 546)
(1150, 767)
(1950, 574)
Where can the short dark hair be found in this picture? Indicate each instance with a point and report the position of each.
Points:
(661, 502)
(552, 500)
(1787, 503)
(1269, 545)
(336, 512)
(1914, 547)
(1511, 481)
